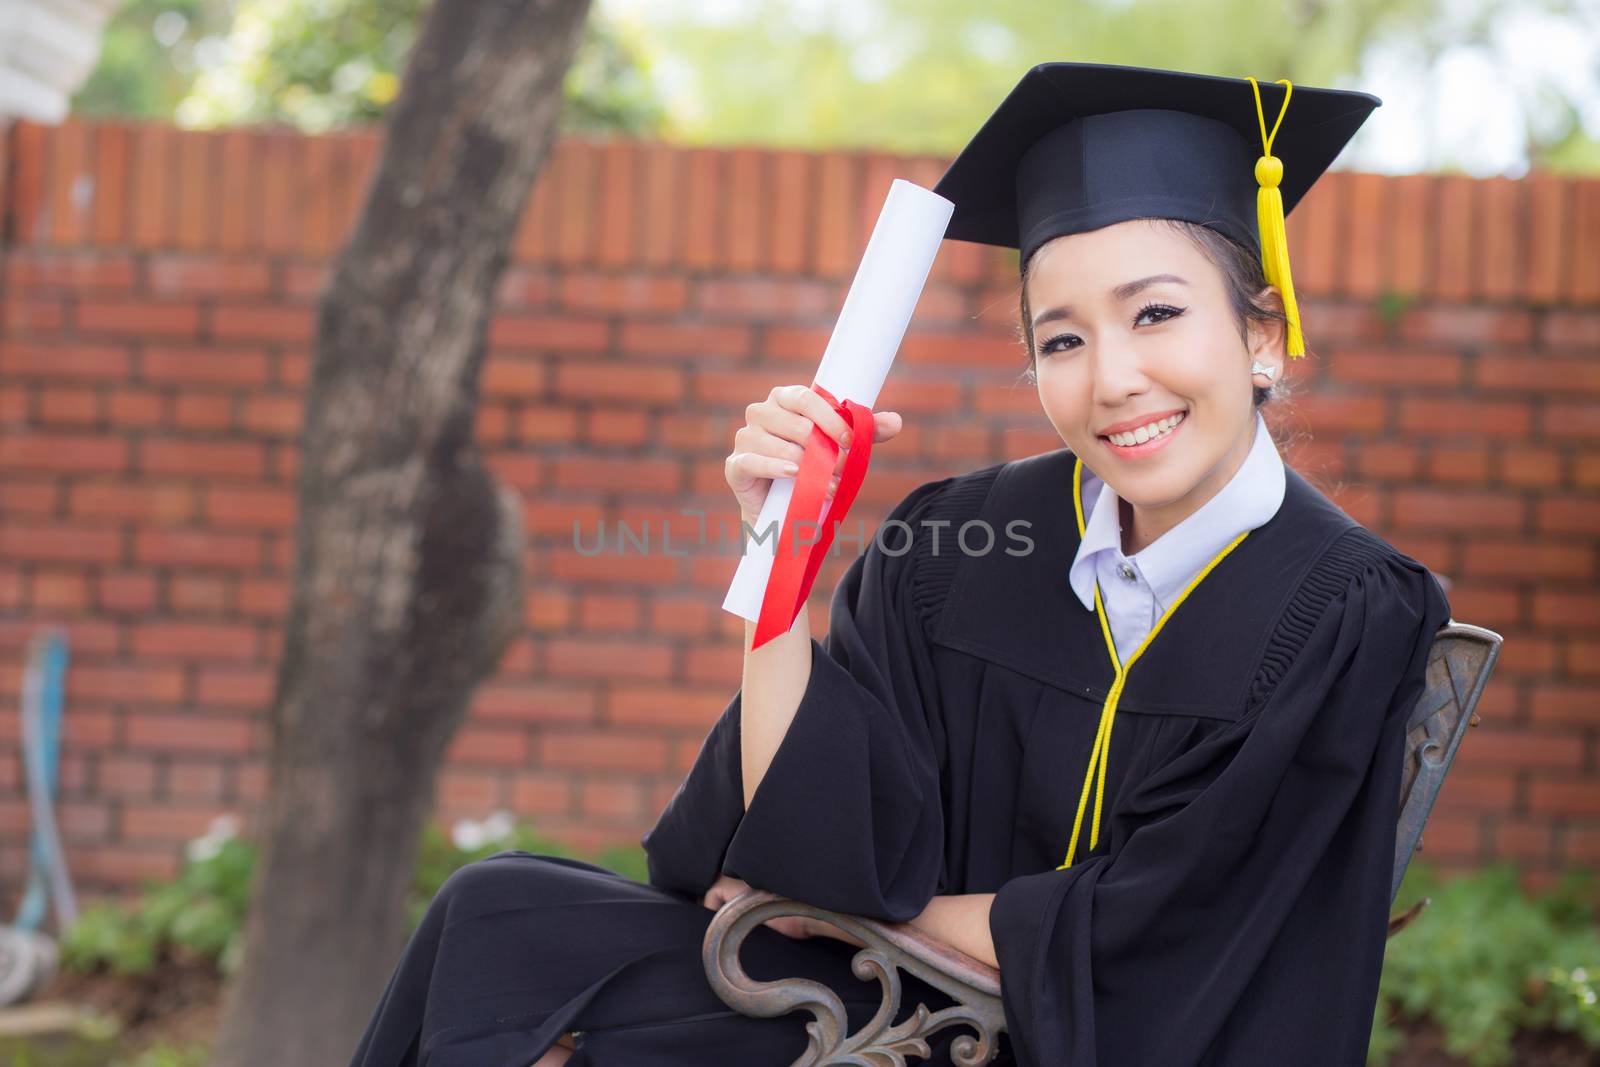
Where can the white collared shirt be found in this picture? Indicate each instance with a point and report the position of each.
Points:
(1137, 589)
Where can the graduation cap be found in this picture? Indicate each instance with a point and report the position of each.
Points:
(1078, 146)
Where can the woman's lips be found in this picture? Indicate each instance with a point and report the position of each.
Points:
(1148, 448)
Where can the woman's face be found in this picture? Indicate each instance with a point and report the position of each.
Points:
(1115, 350)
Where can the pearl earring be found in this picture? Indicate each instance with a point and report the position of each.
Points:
(1257, 367)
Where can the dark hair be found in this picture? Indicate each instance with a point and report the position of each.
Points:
(1242, 277)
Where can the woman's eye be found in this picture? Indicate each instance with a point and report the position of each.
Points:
(1049, 346)
(1162, 309)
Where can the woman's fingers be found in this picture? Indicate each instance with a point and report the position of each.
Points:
(886, 424)
(744, 469)
(805, 400)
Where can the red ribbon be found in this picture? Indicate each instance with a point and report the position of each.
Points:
(794, 566)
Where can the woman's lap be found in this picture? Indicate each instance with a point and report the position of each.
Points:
(519, 948)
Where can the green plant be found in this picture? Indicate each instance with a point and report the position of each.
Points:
(1485, 960)
(1392, 304)
(200, 913)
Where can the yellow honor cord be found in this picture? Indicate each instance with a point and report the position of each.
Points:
(1269, 216)
(1100, 755)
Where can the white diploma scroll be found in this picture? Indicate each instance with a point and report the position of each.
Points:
(871, 325)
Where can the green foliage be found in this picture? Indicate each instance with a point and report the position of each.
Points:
(318, 64)
(1393, 304)
(1485, 960)
(168, 1055)
(200, 914)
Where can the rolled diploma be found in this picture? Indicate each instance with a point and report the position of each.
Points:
(877, 309)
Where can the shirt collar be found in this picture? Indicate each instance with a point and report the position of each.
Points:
(1251, 497)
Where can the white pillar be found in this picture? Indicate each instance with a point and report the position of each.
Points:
(47, 49)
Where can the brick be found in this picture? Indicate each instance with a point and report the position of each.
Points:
(600, 473)
(601, 750)
(62, 453)
(1549, 237)
(763, 298)
(1573, 799)
(140, 318)
(667, 339)
(141, 502)
(102, 364)
(136, 408)
(1555, 609)
(254, 507)
(112, 163)
(188, 780)
(58, 543)
(1529, 560)
(1339, 414)
(618, 222)
(540, 702)
(610, 799)
(58, 591)
(548, 333)
(218, 367)
(1570, 329)
(489, 746)
(199, 594)
(619, 383)
(273, 415)
(1568, 514)
(1511, 749)
(126, 776)
(188, 733)
(197, 548)
(150, 822)
(133, 592)
(125, 683)
(542, 794)
(247, 322)
(1466, 325)
(1569, 703)
(599, 658)
(470, 793)
(1431, 509)
(1391, 367)
(243, 459)
(1447, 416)
(172, 275)
(1580, 422)
(29, 498)
(182, 640)
(62, 406)
(623, 293)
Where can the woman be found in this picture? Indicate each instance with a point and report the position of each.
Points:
(1125, 719)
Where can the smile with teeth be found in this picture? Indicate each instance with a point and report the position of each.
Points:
(1159, 428)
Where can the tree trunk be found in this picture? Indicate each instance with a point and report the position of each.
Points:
(408, 581)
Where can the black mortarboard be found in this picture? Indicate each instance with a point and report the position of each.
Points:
(1078, 146)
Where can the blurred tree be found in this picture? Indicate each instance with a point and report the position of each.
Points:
(316, 64)
(408, 573)
(920, 75)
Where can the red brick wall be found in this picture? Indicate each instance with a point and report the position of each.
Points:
(158, 302)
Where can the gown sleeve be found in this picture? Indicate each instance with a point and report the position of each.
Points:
(1240, 912)
(848, 815)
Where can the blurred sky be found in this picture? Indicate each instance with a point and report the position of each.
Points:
(1466, 108)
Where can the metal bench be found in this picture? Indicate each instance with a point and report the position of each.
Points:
(1459, 664)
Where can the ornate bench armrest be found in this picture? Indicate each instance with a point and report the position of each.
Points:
(890, 948)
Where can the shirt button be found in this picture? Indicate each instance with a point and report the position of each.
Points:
(1127, 572)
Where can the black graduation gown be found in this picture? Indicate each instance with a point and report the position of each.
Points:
(1234, 908)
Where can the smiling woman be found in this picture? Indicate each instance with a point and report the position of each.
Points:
(1190, 633)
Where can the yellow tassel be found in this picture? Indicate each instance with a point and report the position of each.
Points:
(1269, 215)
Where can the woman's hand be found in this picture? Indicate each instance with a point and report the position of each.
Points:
(772, 440)
(725, 888)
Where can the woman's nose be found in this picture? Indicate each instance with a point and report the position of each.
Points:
(1118, 375)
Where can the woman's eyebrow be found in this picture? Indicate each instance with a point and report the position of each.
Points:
(1118, 293)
